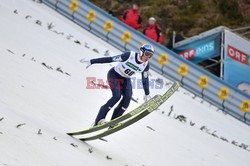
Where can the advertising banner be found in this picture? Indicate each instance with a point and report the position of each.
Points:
(201, 49)
(237, 61)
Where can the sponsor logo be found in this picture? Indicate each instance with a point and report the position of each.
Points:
(198, 51)
(237, 55)
(132, 66)
(188, 54)
(205, 48)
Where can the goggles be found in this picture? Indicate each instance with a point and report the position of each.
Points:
(148, 54)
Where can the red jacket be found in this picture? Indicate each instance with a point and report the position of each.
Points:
(154, 32)
(132, 18)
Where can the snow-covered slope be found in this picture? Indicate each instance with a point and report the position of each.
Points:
(43, 95)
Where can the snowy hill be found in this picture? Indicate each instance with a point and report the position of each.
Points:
(43, 95)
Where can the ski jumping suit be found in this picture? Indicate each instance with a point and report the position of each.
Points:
(119, 78)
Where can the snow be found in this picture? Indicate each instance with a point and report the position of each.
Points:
(46, 104)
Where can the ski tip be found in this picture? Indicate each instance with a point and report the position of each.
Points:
(82, 139)
(103, 139)
(70, 134)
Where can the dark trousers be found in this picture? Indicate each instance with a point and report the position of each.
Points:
(119, 86)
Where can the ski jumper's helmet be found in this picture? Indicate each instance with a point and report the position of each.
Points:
(147, 50)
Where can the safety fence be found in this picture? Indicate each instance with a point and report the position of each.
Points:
(165, 62)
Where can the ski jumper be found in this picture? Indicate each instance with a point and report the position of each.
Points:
(119, 78)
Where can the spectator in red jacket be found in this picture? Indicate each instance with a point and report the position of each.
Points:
(131, 17)
(153, 31)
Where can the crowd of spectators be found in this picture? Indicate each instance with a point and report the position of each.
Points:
(132, 18)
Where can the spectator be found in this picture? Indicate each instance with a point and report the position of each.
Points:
(131, 17)
(153, 31)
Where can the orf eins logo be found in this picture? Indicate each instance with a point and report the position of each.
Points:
(237, 55)
(188, 54)
(201, 50)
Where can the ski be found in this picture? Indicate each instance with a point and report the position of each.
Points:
(158, 100)
(117, 120)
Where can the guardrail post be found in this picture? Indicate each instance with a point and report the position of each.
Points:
(90, 17)
(126, 37)
(73, 6)
(223, 95)
(108, 26)
(182, 71)
(56, 4)
(163, 60)
(245, 107)
(203, 83)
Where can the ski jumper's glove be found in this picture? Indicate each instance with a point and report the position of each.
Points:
(87, 62)
(146, 97)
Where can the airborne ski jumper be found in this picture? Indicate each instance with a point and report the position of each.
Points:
(119, 78)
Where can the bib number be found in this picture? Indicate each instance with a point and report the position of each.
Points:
(129, 72)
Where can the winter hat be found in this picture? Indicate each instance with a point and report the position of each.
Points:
(152, 19)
